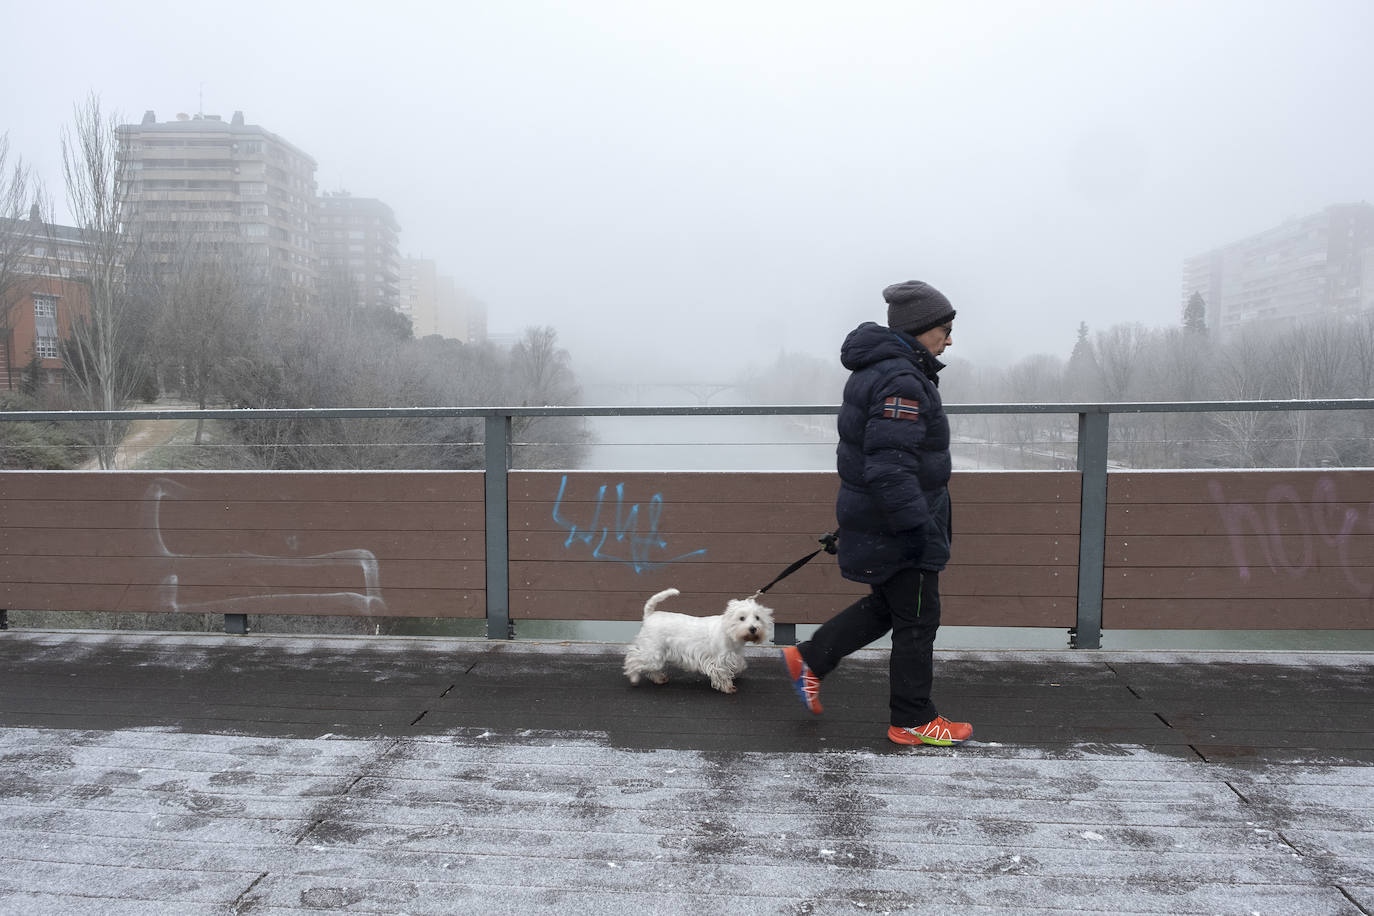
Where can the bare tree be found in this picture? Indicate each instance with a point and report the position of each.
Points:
(18, 193)
(1360, 382)
(21, 195)
(373, 360)
(542, 370)
(209, 294)
(1177, 366)
(1243, 373)
(1118, 350)
(106, 354)
(1172, 367)
(1312, 368)
(541, 375)
(1039, 438)
(365, 360)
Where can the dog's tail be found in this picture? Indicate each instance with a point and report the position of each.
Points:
(652, 603)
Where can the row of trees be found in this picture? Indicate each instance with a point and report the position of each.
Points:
(198, 319)
(1132, 363)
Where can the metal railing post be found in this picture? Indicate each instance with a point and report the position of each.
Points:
(1092, 528)
(497, 467)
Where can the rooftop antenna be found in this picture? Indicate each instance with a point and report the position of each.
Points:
(200, 103)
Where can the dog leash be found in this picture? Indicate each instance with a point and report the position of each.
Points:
(828, 542)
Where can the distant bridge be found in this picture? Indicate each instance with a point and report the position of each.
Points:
(653, 393)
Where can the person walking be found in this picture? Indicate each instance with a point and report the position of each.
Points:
(893, 511)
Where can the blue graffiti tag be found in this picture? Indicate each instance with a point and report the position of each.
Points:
(640, 547)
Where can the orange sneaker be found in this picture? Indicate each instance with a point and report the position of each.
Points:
(939, 731)
(808, 686)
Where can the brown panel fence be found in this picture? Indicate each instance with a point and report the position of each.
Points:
(1168, 549)
(1240, 550)
(592, 545)
(583, 545)
(399, 544)
(1185, 549)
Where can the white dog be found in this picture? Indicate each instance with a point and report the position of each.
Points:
(713, 646)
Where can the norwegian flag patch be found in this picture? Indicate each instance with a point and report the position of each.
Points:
(901, 409)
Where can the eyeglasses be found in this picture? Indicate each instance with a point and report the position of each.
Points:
(948, 329)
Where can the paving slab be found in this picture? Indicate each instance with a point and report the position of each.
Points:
(159, 773)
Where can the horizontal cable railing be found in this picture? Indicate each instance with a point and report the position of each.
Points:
(300, 413)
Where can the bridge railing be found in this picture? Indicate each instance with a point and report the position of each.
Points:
(1079, 548)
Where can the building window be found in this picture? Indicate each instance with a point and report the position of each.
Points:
(45, 326)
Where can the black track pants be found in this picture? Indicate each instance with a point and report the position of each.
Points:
(908, 605)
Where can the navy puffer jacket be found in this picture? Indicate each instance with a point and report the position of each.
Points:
(893, 458)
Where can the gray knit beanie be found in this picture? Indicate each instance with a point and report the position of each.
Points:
(916, 307)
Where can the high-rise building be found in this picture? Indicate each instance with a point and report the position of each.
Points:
(437, 305)
(356, 239)
(461, 316)
(235, 186)
(1319, 267)
(475, 315)
(420, 295)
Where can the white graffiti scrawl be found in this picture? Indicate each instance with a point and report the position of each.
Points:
(1293, 534)
(367, 601)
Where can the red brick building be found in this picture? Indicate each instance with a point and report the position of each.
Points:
(42, 291)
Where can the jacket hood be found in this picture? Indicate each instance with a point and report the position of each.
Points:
(871, 343)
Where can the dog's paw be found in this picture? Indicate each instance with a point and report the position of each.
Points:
(658, 677)
(727, 687)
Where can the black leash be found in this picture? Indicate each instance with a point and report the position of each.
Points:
(827, 546)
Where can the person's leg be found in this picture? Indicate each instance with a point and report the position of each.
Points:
(851, 629)
(913, 597)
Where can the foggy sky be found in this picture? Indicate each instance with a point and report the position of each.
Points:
(686, 189)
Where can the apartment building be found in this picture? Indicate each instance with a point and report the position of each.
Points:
(238, 188)
(474, 317)
(419, 295)
(1319, 267)
(357, 243)
(462, 316)
(437, 305)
